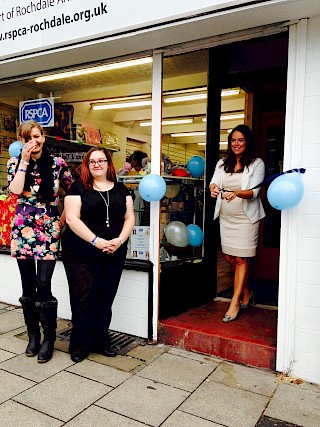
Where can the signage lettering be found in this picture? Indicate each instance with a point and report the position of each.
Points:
(40, 110)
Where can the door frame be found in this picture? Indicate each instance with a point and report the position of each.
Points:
(297, 56)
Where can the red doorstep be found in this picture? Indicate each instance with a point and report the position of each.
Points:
(251, 339)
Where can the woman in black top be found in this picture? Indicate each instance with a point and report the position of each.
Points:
(100, 218)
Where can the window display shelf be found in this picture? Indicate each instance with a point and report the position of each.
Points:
(183, 202)
(67, 143)
(134, 179)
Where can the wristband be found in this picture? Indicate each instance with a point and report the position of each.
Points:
(121, 241)
(22, 170)
(94, 240)
(24, 162)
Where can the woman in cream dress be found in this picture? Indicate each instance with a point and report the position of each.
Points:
(239, 209)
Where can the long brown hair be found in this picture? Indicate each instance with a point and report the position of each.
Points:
(85, 174)
(247, 157)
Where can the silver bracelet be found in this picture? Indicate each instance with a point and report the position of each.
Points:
(121, 241)
(23, 162)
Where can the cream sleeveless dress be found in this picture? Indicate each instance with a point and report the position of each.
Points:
(238, 236)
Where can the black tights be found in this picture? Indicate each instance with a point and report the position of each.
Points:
(36, 278)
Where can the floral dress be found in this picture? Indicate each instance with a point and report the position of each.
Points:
(38, 236)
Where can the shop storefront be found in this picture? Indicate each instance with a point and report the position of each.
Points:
(170, 81)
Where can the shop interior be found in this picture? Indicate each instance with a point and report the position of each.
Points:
(110, 104)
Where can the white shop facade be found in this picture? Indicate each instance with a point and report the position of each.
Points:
(149, 56)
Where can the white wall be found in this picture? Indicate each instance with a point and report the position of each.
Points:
(307, 324)
(130, 308)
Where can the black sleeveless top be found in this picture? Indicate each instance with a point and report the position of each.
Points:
(94, 215)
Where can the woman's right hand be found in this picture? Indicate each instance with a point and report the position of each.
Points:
(101, 244)
(27, 151)
(214, 191)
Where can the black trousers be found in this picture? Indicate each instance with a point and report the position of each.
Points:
(36, 278)
(93, 284)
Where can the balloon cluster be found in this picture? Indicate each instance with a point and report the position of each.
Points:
(15, 149)
(286, 191)
(153, 187)
(180, 235)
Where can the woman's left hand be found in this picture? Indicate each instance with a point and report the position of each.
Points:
(229, 195)
(111, 246)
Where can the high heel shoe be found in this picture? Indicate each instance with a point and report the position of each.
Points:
(250, 302)
(227, 318)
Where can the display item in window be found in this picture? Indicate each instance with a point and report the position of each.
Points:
(239, 210)
(136, 160)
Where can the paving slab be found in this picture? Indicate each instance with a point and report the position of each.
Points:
(14, 414)
(195, 356)
(10, 320)
(222, 404)
(123, 363)
(63, 396)
(144, 400)
(148, 352)
(176, 371)
(246, 378)
(5, 355)
(100, 373)
(11, 385)
(99, 417)
(29, 368)
(10, 342)
(181, 419)
(295, 404)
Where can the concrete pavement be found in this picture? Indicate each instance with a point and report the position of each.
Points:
(152, 385)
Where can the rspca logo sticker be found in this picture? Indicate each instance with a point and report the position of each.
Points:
(40, 110)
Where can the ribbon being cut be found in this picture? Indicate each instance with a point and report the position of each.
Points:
(286, 188)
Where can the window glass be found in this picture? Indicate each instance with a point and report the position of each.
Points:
(77, 124)
(183, 140)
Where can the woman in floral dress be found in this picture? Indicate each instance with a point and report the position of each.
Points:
(36, 176)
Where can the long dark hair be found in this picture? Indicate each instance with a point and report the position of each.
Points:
(85, 174)
(44, 164)
(247, 157)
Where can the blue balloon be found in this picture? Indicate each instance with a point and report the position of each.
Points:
(196, 165)
(152, 188)
(286, 191)
(195, 235)
(15, 149)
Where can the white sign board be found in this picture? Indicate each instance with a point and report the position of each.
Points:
(28, 26)
(140, 242)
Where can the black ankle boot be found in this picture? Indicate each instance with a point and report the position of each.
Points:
(77, 357)
(31, 318)
(48, 319)
(109, 352)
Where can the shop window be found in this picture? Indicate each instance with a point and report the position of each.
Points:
(89, 109)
